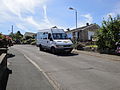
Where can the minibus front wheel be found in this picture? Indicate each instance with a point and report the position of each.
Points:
(53, 50)
(40, 48)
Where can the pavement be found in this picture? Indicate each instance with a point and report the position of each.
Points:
(25, 76)
(104, 56)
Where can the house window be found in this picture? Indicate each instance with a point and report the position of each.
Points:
(69, 35)
(76, 34)
(90, 34)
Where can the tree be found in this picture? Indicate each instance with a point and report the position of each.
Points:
(17, 37)
(109, 33)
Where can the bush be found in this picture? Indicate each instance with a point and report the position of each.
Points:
(78, 46)
(108, 34)
(5, 41)
(33, 43)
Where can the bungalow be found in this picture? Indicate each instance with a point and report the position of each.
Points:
(84, 33)
(30, 34)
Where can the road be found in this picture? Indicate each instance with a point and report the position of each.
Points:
(75, 71)
(25, 76)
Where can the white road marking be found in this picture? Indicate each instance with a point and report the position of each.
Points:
(50, 78)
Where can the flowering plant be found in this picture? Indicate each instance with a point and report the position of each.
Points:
(5, 41)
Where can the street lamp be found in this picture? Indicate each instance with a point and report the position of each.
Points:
(75, 14)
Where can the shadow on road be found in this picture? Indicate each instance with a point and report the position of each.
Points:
(10, 55)
(5, 71)
(61, 54)
(4, 78)
(65, 54)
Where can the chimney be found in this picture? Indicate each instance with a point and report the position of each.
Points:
(54, 27)
(87, 24)
(68, 29)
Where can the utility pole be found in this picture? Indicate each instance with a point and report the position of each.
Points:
(75, 14)
(12, 29)
(76, 18)
(74, 36)
(12, 32)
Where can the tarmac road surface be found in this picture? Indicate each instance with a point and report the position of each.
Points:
(25, 76)
(73, 71)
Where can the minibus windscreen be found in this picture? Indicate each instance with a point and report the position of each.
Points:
(60, 36)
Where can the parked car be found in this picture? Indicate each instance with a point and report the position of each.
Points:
(118, 47)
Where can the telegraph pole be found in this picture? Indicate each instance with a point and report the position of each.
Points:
(12, 32)
(12, 29)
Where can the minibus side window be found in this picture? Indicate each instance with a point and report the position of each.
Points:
(50, 37)
(45, 35)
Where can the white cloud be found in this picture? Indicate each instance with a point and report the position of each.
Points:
(31, 21)
(4, 17)
(114, 12)
(22, 27)
(45, 23)
(13, 10)
(89, 18)
(46, 20)
(20, 6)
(86, 18)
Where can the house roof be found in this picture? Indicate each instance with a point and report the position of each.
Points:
(29, 34)
(91, 27)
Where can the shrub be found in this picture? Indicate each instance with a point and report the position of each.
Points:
(78, 46)
(33, 43)
(109, 34)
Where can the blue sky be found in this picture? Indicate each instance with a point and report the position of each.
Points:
(33, 15)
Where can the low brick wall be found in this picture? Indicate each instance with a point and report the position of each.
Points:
(3, 67)
(90, 49)
(3, 62)
(3, 50)
(4, 71)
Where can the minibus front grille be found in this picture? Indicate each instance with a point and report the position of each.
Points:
(67, 45)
